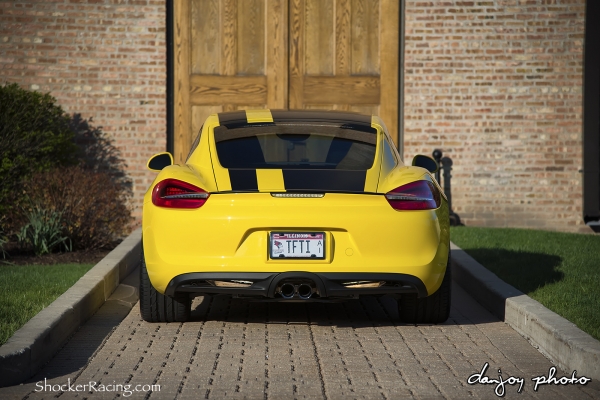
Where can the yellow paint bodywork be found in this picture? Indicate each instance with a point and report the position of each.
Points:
(229, 233)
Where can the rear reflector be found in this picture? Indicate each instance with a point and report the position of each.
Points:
(363, 284)
(418, 195)
(232, 284)
(173, 193)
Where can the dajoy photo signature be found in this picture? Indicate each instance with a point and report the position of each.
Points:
(548, 379)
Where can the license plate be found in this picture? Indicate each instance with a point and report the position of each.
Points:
(297, 245)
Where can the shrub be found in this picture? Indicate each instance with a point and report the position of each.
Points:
(93, 208)
(34, 135)
(3, 238)
(43, 232)
(42, 189)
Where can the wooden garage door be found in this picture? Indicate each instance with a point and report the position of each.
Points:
(240, 54)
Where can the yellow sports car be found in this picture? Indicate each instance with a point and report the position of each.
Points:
(281, 205)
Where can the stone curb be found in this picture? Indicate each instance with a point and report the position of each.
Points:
(38, 340)
(567, 346)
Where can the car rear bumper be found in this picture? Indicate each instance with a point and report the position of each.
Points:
(269, 285)
(230, 234)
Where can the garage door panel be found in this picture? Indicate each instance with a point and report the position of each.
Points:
(278, 54)
(251, 37)
(205, 36)
(341, 89)
(215, 89)
(229, 55)
(365, 37)
(319, 37)
(360, 71)
(228, 27)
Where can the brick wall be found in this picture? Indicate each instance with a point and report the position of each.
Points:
(497, 85)
(103, 59)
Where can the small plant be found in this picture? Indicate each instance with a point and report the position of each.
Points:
(43, 232)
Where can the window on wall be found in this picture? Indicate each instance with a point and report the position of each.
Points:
(591, 118)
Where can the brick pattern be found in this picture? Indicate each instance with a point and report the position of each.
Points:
(238, 349)
(497, 85)
(103, 59)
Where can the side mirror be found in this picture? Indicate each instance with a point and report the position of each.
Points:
(425, 162)
(158, 161)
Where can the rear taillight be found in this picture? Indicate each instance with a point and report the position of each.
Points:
(174, 193)
(419, 195)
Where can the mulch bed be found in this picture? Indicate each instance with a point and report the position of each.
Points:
(74, 257)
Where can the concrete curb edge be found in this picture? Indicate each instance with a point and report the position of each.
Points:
(34, 344)
(567, 346)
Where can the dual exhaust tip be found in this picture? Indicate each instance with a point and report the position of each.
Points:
(289, 291)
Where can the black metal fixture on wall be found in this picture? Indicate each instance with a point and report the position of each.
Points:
(591, 118)
(170, 79)
(445, 164)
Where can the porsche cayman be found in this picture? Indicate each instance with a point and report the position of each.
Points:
(295, 206)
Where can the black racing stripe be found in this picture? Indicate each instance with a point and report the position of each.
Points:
(243, 179)
(337, 117)
(325, 180)
(232, 119)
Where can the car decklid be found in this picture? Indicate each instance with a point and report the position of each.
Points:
(298, 151)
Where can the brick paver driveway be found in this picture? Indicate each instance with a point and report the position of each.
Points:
(239, 349)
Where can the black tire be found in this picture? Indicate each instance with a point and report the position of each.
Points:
(156, 307)
(433, 309)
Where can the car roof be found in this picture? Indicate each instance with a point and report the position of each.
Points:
(232, 119)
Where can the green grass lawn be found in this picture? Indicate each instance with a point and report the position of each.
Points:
(26, 289)
(560, 270)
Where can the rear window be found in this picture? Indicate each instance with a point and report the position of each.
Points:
(296, 147)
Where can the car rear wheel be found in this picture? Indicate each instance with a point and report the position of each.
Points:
(156, 307)
(432, 309)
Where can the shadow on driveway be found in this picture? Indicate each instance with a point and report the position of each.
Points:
(367, 312)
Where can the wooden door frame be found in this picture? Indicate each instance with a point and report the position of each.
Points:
(401, 35)
(591, 118)
(170, 77)
(171, 92)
